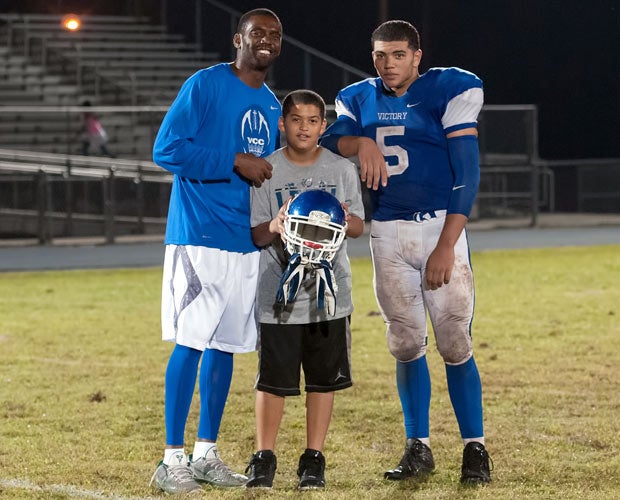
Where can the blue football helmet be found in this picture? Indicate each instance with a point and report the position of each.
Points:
(315, 226)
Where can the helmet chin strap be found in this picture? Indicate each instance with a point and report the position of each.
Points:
(293, 276)
(291, 280)
(326, 288)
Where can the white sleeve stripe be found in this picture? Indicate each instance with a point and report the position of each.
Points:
(463, 108)
(342, 110)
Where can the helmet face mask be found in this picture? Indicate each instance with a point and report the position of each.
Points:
(315, 226)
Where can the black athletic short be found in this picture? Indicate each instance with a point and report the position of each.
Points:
(322, 349)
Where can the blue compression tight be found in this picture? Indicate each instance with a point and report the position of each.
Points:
(181, 374)
(465, 391)
(215, 377)
(414, 388)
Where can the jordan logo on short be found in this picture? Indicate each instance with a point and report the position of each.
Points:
(339, 376)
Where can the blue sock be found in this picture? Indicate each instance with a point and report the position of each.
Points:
(180, 383)
(465, 391)
(215, 377)
(414, 388)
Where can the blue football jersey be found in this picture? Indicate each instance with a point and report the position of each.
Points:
(214, 116)
(411, 132)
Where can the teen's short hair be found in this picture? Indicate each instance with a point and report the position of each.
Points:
(396, 31)
(303, 96)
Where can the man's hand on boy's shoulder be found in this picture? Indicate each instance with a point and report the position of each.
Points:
(252, 168)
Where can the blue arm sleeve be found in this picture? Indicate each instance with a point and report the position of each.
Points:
(179, 147)
(330, 141)
(465, 161)
(343, 126)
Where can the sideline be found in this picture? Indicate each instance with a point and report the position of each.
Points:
(545, 221)
(141, 251)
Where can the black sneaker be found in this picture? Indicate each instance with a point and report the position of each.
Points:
(416, 462)
(475, 469)
(262, 469)
(311, 470)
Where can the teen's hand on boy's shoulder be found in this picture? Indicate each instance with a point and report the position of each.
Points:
(253, 168)
(373, 168)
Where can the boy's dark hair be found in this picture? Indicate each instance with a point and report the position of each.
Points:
(303, 96)
(396, 31)
(255, 12)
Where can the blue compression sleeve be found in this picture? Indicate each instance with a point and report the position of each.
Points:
(180, 383)
(215, 377)
(331, 142)
(344, 125)
(414, 388)
(465, 161)
(465, 391)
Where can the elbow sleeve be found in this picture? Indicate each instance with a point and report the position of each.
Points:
(465, 161)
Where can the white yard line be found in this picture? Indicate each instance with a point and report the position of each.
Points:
(62, 489)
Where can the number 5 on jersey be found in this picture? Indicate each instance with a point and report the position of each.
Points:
(397, 151)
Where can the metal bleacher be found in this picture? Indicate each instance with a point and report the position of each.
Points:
(38, 45)
(46, 72)
(56, 129)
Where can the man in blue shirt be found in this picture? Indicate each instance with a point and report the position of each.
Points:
(213, 138)
(423, 127)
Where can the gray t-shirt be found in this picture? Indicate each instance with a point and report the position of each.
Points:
(334, 174)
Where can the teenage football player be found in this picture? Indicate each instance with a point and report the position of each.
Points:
(423, 126)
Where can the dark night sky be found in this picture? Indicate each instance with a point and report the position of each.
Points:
(563, 55)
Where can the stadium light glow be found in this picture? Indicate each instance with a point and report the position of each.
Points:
(71, 22)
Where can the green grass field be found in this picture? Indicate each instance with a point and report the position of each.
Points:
(82, 368)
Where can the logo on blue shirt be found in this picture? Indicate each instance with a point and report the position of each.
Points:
(255, 132)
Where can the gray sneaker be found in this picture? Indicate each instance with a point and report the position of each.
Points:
(211, 469)
(174, 479)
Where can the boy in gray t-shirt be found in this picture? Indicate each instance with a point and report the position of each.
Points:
(300, 333)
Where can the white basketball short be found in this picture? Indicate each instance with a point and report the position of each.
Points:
(400, 250)
(208, 298)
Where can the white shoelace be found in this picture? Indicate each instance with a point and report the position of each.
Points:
(181, 473)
